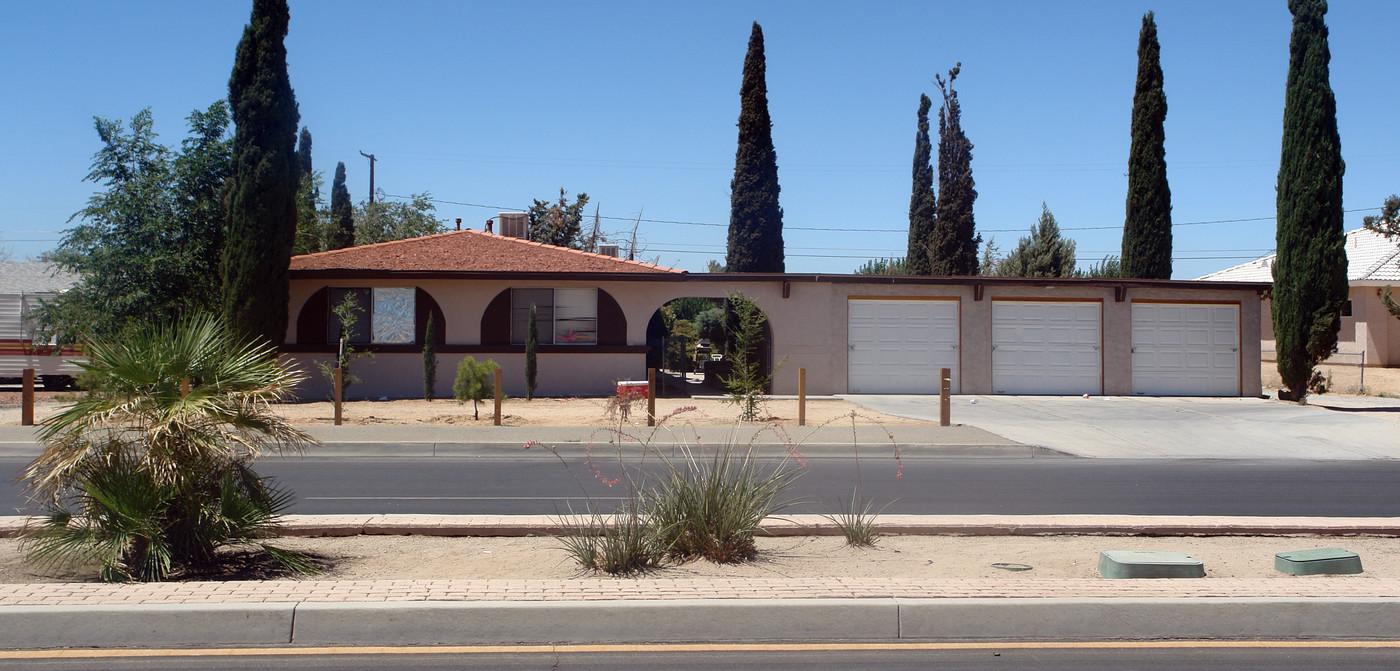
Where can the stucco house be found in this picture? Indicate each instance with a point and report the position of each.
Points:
(852, 333)
(1369, 334)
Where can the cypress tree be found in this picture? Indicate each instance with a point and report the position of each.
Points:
(953, 246)
(1310, 281)
(532, 344)
(266, 174)
(1147, 230)
(342, 233)
(755, 219)
(304, 150)
(923, 201)
(430, 361)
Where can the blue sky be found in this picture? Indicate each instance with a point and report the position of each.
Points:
(635, 103)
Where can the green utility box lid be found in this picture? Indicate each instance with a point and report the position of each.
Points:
(1116, 564)
(1328, 561)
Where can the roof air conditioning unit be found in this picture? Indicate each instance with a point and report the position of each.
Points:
(514, 225)
(608, 250)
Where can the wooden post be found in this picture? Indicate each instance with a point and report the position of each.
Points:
(338, 393)
(802, 397)
(945, 387)
(27, 399)
(496, 387)
(651, 397)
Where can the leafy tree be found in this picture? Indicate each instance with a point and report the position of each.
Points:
(747, 380)
(474, 382)
(1147, 231)
(532, 345)
(149, 482)
(755, 218)
(923, 203)
(953, 250)
(1386, 223)
(1041, 254)
(430, 362)
(558, 224)
(1310, 282)
(147, 245)
(342, 223)
(713, 266)
(890, 266)
(384, 221)
(710, 325)
(263, 209)
(1110, 266)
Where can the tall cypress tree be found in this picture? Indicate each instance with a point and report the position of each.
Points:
(1310, 281)
(953, 246)
(304, 150)
(1147, 230)
(342, 233)
(755, 219)
(266, 173)
(922, 202)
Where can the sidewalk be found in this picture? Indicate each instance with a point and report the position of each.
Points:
(604, 609)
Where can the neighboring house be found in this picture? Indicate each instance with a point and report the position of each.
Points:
(22, 286)
(852, 333)
(1369, 333)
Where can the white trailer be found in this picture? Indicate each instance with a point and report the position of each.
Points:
(54, 367)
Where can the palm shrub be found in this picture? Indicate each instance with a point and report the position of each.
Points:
(149, 482)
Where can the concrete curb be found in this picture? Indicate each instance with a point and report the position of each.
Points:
(879, 619)
(816, 525)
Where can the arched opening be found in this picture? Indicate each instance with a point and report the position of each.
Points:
(689, 343)
(502, 322)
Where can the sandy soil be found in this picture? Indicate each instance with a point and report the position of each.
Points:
(1343, 379)
(1052, 557)
(520, 412)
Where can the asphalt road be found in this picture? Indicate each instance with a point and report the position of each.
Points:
(539, 484)
(1182, 657)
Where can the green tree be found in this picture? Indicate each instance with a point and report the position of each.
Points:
(149, 482)
(559, 223)
(1310, 281)
(923, 203)
(890, 266)
(1147, 231)
(755, 218)
(1386, 223)
(263, 209)
(311, 217)
(342, 224)
(347, 313)
(430, 362)
(1110, 266)
(532, 345)
(384, 221)
(747, 380)
(953, 247)
(1044, 253)
(474, 382)
(148, 245)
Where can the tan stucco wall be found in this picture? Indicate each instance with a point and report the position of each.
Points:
(1370, 329)
(809, 328)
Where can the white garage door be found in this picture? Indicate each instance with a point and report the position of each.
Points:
(1186, 349)
(898, 346)
(1041, 347)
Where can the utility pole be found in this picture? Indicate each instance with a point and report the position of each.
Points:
(371, 174)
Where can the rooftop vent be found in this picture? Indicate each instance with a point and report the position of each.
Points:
(514, 224)
(608, 250)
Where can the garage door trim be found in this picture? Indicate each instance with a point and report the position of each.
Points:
(956, 300)
(1239, 327)
(1060, 299)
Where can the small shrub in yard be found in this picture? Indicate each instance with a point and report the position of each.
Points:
(474, 382)
(746, 382)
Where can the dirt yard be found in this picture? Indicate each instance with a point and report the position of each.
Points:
(803, 557)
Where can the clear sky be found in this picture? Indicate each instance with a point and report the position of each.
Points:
(490, 105)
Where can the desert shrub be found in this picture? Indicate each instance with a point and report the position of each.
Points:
(474, 382)
(621, 543)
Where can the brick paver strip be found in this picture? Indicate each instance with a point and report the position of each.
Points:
(595, 589)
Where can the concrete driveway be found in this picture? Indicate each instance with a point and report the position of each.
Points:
(1332, 427)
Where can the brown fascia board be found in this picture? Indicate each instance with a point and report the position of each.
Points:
(1108, 282)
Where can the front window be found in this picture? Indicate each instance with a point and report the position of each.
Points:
(382, 315)
(562, 316)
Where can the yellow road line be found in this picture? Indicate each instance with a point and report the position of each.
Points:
(678, 647)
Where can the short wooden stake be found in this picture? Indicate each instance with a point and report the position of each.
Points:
(496, 387)
(27, 399)
(651, 397)
(802, 397)
(338, 394)
(945, 388)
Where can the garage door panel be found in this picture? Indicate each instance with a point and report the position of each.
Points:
(1186, 350)
(1045, 347)
(898, 346)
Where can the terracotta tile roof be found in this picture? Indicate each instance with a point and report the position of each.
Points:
(1370, 257)
(470, 251)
